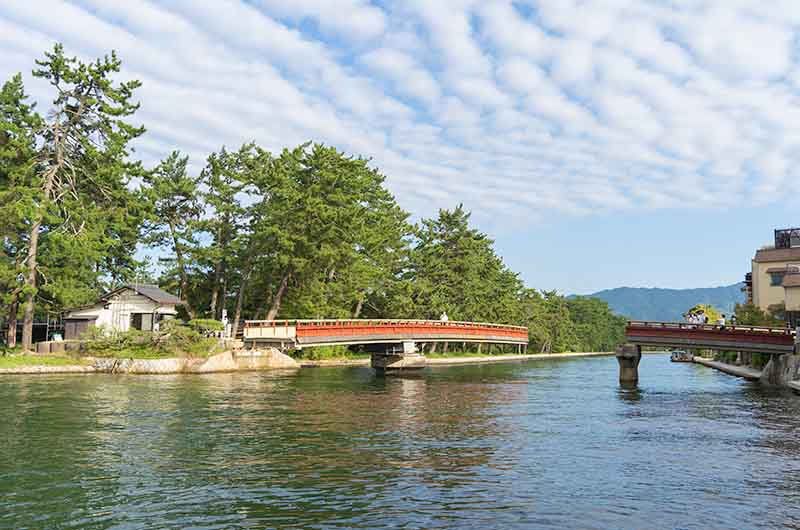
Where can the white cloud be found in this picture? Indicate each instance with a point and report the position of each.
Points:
(407, 77)
(572, 107)
(351, 19)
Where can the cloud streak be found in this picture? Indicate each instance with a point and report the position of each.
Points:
(524, 110)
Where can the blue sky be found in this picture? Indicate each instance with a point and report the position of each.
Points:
(600, 142)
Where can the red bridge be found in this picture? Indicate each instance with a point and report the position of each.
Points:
(699, 336)
(306, 333)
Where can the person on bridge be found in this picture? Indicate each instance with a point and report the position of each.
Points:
(721, 321)
(444, 317)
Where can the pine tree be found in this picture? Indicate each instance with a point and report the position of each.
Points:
(80, 187)
(19, 122)
(222, 181)
(174, 198)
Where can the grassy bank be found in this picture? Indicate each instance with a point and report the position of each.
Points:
(473, 353)
(327, 353)
(20, 361)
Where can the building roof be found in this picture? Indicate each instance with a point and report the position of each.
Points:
(791, 280)
(767, 255)
(773, 270)
(152, 292)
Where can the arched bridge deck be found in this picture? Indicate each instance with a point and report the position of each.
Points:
(307, 333)
(699, 336)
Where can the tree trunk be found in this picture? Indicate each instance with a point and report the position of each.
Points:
(240, 298)
(30, 283)
(359, 307)
(223, 291)
(217, 275)
(33, 249)
(276, 301)
(182, 271)
(11, 331)
(215, 289)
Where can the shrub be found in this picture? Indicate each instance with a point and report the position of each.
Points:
(726, 357)
(760, 360)
(206, 325)
(173, 338)
(320, 353)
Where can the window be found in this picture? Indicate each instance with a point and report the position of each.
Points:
(142, 321)
(776, 279)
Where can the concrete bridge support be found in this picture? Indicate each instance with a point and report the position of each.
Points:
(628, 357)
(405, 358)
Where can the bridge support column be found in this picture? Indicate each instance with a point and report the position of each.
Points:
(628, 357)
(406, 359)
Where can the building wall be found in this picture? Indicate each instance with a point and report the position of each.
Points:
(764, 294)
(120, 308)
(792, 298)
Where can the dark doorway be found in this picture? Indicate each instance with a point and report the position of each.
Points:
(75, 327)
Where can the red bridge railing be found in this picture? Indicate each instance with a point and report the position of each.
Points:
(729, 336)
(728, 328)
(309, 331)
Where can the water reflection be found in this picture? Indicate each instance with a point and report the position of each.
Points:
(555, 444)
(629, 391)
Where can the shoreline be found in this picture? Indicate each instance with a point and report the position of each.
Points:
(178, 366)
(456, 360)
(745, 372)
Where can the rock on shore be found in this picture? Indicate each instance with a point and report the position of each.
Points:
(228, 361)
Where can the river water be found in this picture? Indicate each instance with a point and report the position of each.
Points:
(545, 444)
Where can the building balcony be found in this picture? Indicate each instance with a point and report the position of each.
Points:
(787, 238)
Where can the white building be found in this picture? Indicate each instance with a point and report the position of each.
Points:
(129, 307)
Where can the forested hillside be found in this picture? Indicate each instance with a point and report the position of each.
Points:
(668, 304)
(307, 232)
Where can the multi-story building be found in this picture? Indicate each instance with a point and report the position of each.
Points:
(774, 283)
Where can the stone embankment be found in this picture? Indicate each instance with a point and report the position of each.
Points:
(746, 372)
(268, 359)
(230, 361)
(43, 369)
(781, 370)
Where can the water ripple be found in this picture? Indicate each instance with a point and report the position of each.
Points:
(553, 444)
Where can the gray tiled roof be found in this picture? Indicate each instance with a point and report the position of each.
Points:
(155, 294)
(152, 292)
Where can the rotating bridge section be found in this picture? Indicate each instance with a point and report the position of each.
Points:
(307, 333)
(699, 336)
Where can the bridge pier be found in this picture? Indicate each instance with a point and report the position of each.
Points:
(394, 359)
(628, 357)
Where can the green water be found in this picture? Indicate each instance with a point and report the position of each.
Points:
(553, 444)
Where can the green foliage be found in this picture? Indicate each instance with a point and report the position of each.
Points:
(597, 328)
(173, 339)
(173, 219)
(453, 268)
(752, 315)
(309, 232)
(21, 361)
(321, 353)
(708, 310)
(726, 357)
(205, 325)
(71, 218)
(760, 360)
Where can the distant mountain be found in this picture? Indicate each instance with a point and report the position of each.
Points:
(642, 303)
